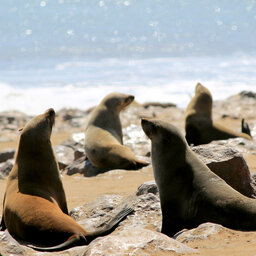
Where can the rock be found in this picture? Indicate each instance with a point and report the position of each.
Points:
(15, 118)
(78, 153)
(9, 246)
(6, 167)
(136, 241)
(64, 155)
(78, 166)
(158, 104)
(239, 144)
(147, 211)
(248, 94)
(147, 187)
(229, 164)
(6, 155)
(202, 232)
(72, 117)
(93, 214)
(83, 166)
(237, 106)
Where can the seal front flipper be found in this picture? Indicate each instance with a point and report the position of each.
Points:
(136, 165)
(245, 128)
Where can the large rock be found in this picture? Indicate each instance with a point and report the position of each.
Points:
(147, 187)
(9, 246)
(138, 242)
(83, 166)
(202, 232)
(229, 164)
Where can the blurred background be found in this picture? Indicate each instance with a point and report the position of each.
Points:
(70, 53)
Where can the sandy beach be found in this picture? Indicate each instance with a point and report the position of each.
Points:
(80, 190)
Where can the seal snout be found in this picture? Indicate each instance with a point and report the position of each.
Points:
(129, 99)
(51, 114)
(147, 126)
(50, 111)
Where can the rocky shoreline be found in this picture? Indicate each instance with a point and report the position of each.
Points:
(234, 160)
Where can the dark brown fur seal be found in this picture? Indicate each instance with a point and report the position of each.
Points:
(35, 208)
(190, 193)
(199, 126)
(104, 139)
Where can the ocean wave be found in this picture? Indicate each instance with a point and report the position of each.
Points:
(33, 87)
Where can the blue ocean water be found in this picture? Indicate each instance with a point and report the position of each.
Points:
(70, 53)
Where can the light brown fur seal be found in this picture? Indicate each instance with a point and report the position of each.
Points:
(199, 126)
(190, 193)
(104, 138)
(35, 208)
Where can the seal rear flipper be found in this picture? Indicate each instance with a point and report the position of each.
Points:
(139, 164)
(245, 128)
(112, 224)
(74, 240)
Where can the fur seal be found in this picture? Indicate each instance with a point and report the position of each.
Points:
(190, 193)
(35, 209)
(104, 138)
(199, 126)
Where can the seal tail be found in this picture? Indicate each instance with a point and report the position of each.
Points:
(74, 240)
(112, 224)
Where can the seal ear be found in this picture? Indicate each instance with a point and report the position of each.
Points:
(20, 129)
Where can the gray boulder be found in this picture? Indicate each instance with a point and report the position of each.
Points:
(229, 164)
